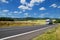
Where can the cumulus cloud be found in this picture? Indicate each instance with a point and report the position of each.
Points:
(9, 14)
(58, 6)
(5, 10)
(4, 1)
(42, 15)
(28, 6)
(20, 12)
(3, 14)
(0, 12)
(53, 5)
(34, 1)
(24, 7)
(16, 12)
(31, 4)
(42, 8)
(12, 16)
(23, 1)
(26, 14)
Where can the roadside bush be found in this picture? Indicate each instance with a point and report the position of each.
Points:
(57, 21)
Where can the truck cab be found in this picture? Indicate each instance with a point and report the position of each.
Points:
(49, 21)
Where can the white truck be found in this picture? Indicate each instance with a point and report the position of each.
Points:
(49, 21)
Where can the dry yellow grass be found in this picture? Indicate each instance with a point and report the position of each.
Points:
(58, 33)
(21, 23)
(53, 34)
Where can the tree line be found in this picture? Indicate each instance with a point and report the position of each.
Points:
(26, 19)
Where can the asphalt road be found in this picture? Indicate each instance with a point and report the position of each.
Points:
(6, 32)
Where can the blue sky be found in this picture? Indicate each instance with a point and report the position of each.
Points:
(30, 8)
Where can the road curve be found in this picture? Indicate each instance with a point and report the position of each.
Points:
(6, 32)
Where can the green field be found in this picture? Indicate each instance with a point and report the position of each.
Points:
(53, 34)
(21, 23)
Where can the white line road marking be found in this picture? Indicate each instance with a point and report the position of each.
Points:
(24, 33)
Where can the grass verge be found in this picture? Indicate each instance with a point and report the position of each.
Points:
(53, 34)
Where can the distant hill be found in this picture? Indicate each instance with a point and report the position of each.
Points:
(22, 19)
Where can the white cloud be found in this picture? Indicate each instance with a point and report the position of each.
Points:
(42, 8)
(46, 13)
(23, 10)
(0, 12)
(9, 14)
(4, 1)
(42, 15)
(5, 10)
(38, 1)
(23, 1)
(20, 12)
(24, 7)
(28, 6)
(3, 14)
(35, 13)
(26, 14)
(53, 5)
(59, 17)
(12, 16)
(31, 4)
(58, 7)
(16, 12)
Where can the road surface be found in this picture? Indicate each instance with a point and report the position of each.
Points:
(6, 32)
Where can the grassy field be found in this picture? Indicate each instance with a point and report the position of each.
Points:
(21, 23)
(53, 34)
